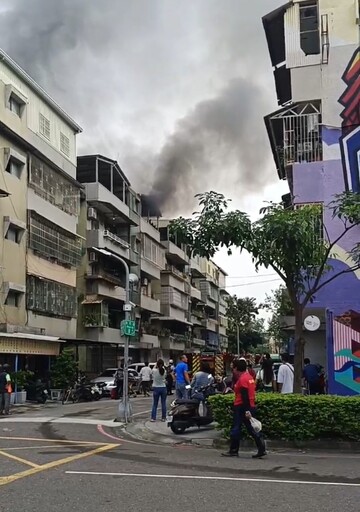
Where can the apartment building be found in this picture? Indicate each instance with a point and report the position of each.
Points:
(110, 224)
(315, 140)
(39, 245)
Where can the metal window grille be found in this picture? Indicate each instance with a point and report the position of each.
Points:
(52, 242)
(44, 126)
(51, 298)
(53, 187)
(64, 144)
(152, 252)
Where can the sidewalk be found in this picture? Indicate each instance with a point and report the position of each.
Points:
(159, 433)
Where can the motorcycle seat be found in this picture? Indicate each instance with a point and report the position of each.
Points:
(186, 401)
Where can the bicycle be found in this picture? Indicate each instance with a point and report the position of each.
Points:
(69, 394)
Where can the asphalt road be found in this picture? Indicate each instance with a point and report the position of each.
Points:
(46, 465)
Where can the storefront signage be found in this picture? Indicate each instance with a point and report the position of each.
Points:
(35, 347)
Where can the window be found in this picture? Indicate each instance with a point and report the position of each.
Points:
(51, 298)
(53, 187)
(64, 144)
(50, 241)
(14, 229)
(44, 124)
(309, 29)
(14, 167)
(15, 105)
(13, 298)
(13, 235)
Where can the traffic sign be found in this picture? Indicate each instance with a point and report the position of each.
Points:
(128, 328)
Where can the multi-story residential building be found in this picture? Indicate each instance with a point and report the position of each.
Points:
(110, 225)
(315, 139)
(40, 248)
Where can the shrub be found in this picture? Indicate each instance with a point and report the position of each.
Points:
(64, 370)
(297, 417)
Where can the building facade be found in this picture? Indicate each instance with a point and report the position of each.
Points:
(40, 248)
(315, 139)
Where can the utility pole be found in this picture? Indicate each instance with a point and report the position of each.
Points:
(125, 409)
(238, 339)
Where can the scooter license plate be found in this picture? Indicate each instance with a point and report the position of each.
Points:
(169, 419)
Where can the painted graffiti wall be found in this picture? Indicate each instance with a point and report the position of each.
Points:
(337, 85)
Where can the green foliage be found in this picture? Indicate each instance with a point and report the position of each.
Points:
(297, 417)
(22, 378)
(279, 304)
(242, 312)
(64, 371)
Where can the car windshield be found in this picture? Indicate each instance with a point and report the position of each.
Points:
(108, 373)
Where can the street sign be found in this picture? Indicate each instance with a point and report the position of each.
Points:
(312, 323)
(128, 328)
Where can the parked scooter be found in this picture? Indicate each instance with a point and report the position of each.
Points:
(195, 411)
(36, 392)
(86, 392)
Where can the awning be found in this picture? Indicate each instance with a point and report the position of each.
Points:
(170, 319)
(29, 344)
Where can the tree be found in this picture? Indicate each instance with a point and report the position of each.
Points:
(241, 314)
(64, 370)
(294, 242)
(279, 304)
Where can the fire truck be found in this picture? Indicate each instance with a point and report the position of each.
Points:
(219, 363)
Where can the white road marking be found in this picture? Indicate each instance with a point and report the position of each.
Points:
(214, 478)
(49, 419)
(142, 413)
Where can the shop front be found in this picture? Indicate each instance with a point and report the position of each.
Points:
(29, 352)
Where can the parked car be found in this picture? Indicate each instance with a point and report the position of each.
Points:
(137, 366)
(107, 377)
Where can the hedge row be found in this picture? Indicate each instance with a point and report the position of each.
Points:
(297, 417)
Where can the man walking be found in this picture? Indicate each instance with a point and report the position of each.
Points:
(5, 390)
(312, 377)
(182, 378)
(244, 409)
(285, 378)
(145, 375)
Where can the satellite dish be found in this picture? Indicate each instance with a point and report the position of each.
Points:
(312, 323)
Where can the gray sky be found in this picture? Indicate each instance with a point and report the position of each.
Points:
(175, 91)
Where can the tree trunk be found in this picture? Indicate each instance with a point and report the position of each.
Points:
(299, 348)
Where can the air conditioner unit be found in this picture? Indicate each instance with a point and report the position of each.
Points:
(106, 233)
(92, 213)
(93, 257)
(145, 281)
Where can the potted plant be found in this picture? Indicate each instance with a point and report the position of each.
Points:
(63, 373)
(19, 380)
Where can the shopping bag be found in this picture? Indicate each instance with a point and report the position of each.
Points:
(256, 424)
(9, 388)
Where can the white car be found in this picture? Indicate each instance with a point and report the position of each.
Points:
(107, 377)
(137, 366)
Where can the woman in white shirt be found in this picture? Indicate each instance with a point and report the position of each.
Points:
(159, 390)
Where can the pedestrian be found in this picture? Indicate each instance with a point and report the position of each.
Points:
(170, 377)
(182, 378)
(251, 370)
(145, 375)
(312, 375)
(5, 390)
(243, 410)
(119, 382)
(285, 378)
(159, 390)
(266, 378)
(201, 379)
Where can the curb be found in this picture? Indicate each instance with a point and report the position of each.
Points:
(142, 433)
(313, 445)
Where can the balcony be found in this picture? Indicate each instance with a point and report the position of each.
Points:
(174, 281)
(175, 253)
(150, 230)
(150, 269)
(222, 330)
(152, 341)
(197, 342)
(104, 239)
(172, 313)
(105, 201)
(175, 272)
(210, 324)
(150, 304)
(195, 265)
(195, 294)
(105, 335)
(195, 320)
(104, 289)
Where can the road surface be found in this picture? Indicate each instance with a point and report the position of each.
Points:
(80, 464)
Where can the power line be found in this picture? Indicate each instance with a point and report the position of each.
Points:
(248, 277)
(255, 282)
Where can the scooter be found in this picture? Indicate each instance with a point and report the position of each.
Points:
(192, 412)
(36, 392)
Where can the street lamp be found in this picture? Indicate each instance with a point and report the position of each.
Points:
(124, 410)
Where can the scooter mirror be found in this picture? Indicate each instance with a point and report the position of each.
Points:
(209, 376)
(188, 387)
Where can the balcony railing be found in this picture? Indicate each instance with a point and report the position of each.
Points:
(173, 270)
(116, 239)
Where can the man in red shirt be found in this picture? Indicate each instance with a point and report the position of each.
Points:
(244, 408)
